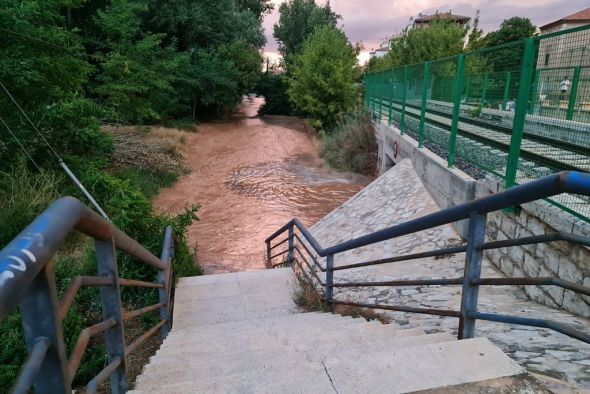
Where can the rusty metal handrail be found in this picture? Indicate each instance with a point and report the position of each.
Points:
(26, 280)
(476, 212)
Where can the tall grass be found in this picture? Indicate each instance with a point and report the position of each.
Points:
(352, 145)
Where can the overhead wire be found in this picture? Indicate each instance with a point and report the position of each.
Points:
(20, 144)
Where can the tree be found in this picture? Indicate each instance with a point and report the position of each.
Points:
(257, 7)
(297, 20)
(475, 39)
(441, 39)
(322, 83)
(513, 29)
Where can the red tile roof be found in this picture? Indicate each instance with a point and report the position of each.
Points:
(578, 17)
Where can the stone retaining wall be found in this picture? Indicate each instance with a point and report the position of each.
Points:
(450, 187)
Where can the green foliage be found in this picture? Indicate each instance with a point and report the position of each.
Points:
(441, 39)
(274, 89)
(147, 181)
(512, 29)
(246, 60)
(298, 19)
(323, 76)
(352, 145)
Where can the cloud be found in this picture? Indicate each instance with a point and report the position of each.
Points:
(371, 21)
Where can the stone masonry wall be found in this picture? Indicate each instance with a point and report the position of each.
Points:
(450, 187)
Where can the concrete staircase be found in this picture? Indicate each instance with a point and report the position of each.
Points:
(242, 333)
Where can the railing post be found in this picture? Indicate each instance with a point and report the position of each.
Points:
(457, 93)
(329, 281)
(484, 89)
(268, 253)
(402, 122)
(291, 254)
(535, 93)
(111, 307)
(473, 257)
(506, 90)
(425, 82)
(524, 85)
(390, 109)
(164, 279)
(38, 310)
(571, 105)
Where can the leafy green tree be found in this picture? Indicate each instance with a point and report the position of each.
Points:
(135, 71)
(297, 20)
(247, 62)
(441, 39)
(258, 7)
(512, 29)
(322, 83)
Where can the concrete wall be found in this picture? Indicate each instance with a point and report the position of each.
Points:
(450, 187)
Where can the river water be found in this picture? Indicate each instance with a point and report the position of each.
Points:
(250, 176)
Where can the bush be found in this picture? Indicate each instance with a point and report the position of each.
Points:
(352, 145)
(276, 100)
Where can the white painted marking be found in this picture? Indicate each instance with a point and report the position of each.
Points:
(4, 276)
(21, 264)
(29, 255)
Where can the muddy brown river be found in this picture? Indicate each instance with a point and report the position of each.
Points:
(251, 175)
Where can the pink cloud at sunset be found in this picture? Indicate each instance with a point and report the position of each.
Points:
(371, 21)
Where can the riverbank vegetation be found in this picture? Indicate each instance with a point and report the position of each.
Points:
(74, 67)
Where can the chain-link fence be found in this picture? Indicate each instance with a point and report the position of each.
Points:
(520, 110)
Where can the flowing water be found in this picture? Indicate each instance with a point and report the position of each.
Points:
(250, 176)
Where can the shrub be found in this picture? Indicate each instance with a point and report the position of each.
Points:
(276, 100)
(352, 145)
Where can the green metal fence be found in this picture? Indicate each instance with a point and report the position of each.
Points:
(519, 111)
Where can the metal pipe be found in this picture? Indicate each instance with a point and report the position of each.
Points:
(401, 283)
(131, 347)
(279, 254)
(142, 311)
(279, 244)
(414, 256)
(561, 328)
(82, 343)
(309, 266)
(103, 375)
(164, 279)
(75, 285)
(548, 281)
(399, 308)
(29, 370)
(24, 257)
(315, 261)
(80, 186)
(138, 283)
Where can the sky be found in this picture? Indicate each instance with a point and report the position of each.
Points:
(371, 21)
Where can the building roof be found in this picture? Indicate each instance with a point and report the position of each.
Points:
(578, 17)
(441, 16)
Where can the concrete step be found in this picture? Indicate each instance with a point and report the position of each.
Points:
(338, 332)
(316, 348)
(273, 322)
(245, 360)
(404, 370)
(296, 326)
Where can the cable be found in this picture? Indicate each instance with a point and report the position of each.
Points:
(49, 182)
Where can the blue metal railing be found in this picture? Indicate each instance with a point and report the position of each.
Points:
(26, 280)
(476, 211)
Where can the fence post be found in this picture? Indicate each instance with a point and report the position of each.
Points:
(535, 93)
(571, 105)
(291, 254)
(402, 122)
(473, 257)
(457, 93)
(467, 86)
(524, 85)
(329, 281)
(484, 89)
(38, 312)
(111, 308)
(506, 91)
(390, 112)
(164, 279)
(425, 83)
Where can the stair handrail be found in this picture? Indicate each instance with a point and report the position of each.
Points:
(26, 280)
(476, 212)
